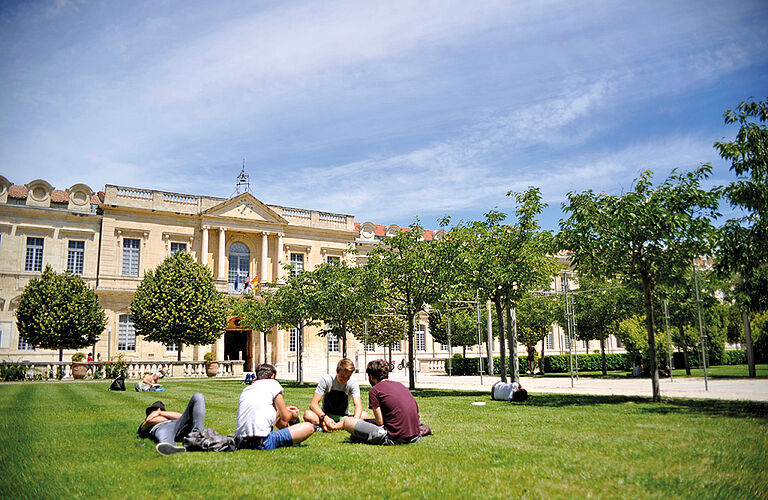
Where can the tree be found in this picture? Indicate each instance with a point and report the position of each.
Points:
(177, 303)
(292, 308)
(405, 266)
(59, 311)
(380, 328)
(599, 305)
(257, 311)
(643, 235)
(503, 262)
(341, 295)
(463, 327)
(743, 241)
(535, 315)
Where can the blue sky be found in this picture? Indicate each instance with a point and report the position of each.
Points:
(384, 110)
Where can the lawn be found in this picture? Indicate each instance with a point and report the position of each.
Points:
(77, 439)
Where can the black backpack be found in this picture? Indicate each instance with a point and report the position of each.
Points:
(118, 384)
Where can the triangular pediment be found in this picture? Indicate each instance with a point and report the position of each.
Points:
(245, 207)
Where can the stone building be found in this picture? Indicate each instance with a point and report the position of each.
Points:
(112, 237)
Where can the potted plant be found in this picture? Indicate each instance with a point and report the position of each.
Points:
(211, 366)
(78, 367)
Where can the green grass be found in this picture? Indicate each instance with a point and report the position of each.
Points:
(61, 440)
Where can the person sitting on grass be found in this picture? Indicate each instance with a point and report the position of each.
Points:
(166, 428)
(262, 406)
(335, 393)
(512, 391)
(395, 411)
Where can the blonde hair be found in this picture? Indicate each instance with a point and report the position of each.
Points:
(345, 364)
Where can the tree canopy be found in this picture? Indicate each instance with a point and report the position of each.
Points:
(177, 303)
(642, 235)
(59, 311)
(503, 262)
(405, 267)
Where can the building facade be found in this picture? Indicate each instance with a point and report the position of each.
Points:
(112, 237)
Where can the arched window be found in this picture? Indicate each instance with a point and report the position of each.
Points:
(239, 264)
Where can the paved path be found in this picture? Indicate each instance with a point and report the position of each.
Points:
(728, 388)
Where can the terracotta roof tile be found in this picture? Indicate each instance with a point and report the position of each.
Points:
(59, 196)
(16, 191)
(380, 230)
(97, 198)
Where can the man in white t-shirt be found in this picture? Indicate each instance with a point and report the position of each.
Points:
(508, 391)
(262, 406)
(335, 393)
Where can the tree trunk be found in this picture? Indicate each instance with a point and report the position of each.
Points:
(463, 350)
(650, 326)
(684, 345)
(502, 347)
(389, 349)
(541, 357)
(411, 357)
(61, 355)
(602, 351)
(748, 340)
(300, 356)
(512, 339)
(343, 341)
(178, 353)
(489, 337)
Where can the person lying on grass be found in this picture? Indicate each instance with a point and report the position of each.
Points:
(395, 412)
(335, 393)
(508, 391)
(262, 406)
(149, 383)
(166, 428)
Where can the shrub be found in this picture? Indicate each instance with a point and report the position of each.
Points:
(10, 371)
(114, 369)
(734, 358)
(560, 363)
(78, 357)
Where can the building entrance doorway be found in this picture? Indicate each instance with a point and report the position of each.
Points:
(238, 344)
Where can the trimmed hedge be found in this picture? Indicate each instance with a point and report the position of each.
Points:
(559, 363)
(738, 357)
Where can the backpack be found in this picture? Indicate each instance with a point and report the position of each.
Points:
(208, 440)
(118, 384)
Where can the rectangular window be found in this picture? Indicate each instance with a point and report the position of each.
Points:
(178, 247)
(126, 334)
(333, 343)
(171, 348)
(369, 347)
(443, 347)
(24, 346)
(618, 343)
(550, 340)
(293, 339)
(34, 260)
(586, 344)
(75, 257)
(397, 346)
(421, 338)
(566, 341)
(297, 261)
(131, 257)
(336, 261)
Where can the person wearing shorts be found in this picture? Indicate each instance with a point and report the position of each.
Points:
(335, 393)
(395, 411)
(260, 408)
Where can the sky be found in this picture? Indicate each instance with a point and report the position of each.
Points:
(388, 111)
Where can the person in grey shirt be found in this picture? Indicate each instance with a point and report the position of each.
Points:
(335, 393)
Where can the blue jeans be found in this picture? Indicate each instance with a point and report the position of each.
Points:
(275, 439)
(193, 419)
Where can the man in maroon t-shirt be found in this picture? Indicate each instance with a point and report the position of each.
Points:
(396, 414)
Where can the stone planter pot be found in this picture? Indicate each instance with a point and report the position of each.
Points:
(212, 369)
(79, 370)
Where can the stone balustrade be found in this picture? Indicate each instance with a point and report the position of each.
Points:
(37, 370)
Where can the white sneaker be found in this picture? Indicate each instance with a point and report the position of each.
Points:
(169, 448)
